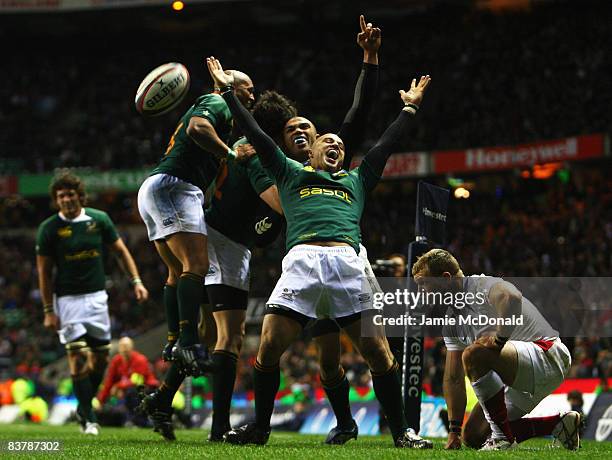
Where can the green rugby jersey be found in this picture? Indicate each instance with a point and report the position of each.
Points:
(184, 158)
(77, 247)
(319, 205)
(235, 198)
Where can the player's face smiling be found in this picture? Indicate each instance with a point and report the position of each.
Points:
(68, 202)
(299, 135)
(327, 153)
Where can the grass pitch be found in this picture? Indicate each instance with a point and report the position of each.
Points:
(127, 443)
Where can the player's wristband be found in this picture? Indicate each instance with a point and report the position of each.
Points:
(410, 108)
(136, 280)
(454, 426)
(48, 308)
(499, 340)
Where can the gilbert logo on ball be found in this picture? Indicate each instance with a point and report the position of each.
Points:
(162, 89)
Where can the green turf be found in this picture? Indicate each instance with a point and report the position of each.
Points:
(124, 443)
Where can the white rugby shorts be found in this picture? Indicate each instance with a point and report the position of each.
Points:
(323, 282)
(169, 205)
(538, 374)
(363, 255)
(229, 261)
(82, 314)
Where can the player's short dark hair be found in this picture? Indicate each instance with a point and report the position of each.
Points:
(67, 181)
(272, 111)
(435, 263)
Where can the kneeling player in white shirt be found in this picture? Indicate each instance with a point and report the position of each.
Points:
(511, 367)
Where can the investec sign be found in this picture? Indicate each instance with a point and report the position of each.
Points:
(496, 158)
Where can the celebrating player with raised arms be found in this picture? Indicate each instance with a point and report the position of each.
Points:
(73, 241)
(322, 273)
(511, 367)
(170, 202)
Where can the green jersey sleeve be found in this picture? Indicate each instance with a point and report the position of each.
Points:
(43, 240)
(260, 181)
(109, 231)
(214, 109)
(368, 176)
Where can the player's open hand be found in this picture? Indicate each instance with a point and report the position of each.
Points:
(51, 322)
(453, 442)
(141, 293)
(244, 152)
(220, 77)
(369, 39)
(416, 92)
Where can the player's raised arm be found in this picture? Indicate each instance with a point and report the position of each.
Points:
(353, 127)
(269, 153)
(203, 133)
(390, 141)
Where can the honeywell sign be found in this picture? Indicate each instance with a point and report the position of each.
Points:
(494, 158)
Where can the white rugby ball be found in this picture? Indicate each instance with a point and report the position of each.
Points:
(162, 89)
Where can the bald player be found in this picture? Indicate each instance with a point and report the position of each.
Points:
(171, 202)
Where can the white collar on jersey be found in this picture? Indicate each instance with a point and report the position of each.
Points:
(82, 217)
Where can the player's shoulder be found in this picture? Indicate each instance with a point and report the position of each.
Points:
(213, 99)
(97, 214)
(50, 222)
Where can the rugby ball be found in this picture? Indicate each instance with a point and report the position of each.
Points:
(162, 89)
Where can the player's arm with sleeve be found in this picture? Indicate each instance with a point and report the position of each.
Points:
(507, 301)
(127, 263)
(208, 114)
(44, 267)
(272, 158)
(453, 386)
(353, 127)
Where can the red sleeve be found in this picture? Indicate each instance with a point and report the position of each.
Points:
(145, 369)
(109, 381)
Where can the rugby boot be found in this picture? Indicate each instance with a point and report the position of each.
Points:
(410, 440)
(194, 359)
(339, 435)
(161, 417)
(567, 430)
(167, 351)
(247, 434)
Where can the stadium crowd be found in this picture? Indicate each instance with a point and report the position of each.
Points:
(503, 73)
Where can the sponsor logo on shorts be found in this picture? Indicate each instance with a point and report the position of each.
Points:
(288, 294)
(167, 222)
(364, 297)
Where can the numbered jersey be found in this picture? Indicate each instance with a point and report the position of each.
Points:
(235, 198)
(76, 246)
(184, 158)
